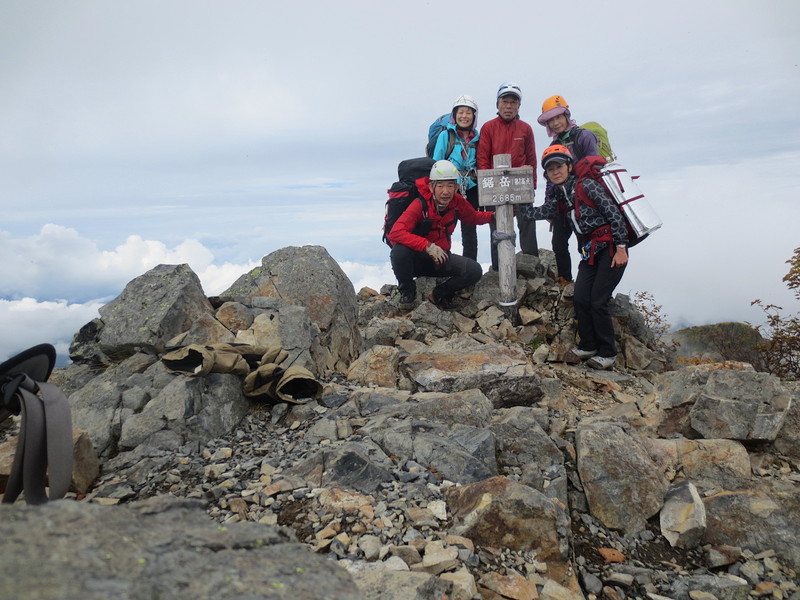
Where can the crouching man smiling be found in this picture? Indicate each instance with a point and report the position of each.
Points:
(421, 244)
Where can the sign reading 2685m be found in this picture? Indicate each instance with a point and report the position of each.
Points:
(505, 186)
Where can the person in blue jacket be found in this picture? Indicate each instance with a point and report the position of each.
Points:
(556, 118)
(458, 143)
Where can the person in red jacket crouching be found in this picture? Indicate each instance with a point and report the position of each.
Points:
(421, 241)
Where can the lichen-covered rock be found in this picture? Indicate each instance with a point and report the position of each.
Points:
(159, 548)
(150, 311)
(307, 276)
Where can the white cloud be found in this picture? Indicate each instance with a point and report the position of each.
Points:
(728, 230)
(216, 279)
(371, 276)
(59, 263)
(62, 262)
(27, 322)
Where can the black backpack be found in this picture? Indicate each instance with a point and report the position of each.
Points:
(404, 191)
(44, 446)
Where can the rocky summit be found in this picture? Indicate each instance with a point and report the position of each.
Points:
(291, 438)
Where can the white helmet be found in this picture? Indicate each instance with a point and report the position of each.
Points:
(444, 170)
(466, 100)
(509, 88)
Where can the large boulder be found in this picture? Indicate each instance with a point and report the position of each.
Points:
(711, 465)
(740, 405)
(157, 548)
(623, 486)
(756, 519)
(720, 401)
(523, 444)
(503, 374)
(788, 439)
(460, 453)
(307, 276)
(502, 513)
(150, 311)
(138, 402)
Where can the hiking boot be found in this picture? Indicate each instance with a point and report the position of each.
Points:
(440, 302)
(583, 354)
(563, 281)
(601, 362)
(407, 300)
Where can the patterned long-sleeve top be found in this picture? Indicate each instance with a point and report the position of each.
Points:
(563, 201)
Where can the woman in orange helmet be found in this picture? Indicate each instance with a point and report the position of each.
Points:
(603, 236)
(556, 118)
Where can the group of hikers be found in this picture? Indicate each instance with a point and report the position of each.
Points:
(450, 194)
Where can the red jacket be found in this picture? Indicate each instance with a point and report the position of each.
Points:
(443, 225)
(514, 137)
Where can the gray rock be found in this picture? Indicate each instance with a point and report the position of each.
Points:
(379, 584)
(740, 405)
(351, 466)
(159, 548)
(622, 484)
(196, 408)
(722, 588)
(285, 326)
(591, 583)
(788, 439)
(683, 516)
(503, 374)
(461, 454)
(521, 442)
(205, 329)
(235, 316)
(755, 520)
(386, 331)
(97, 406)
(151, 310)
(631, 320)
(470, 407)
(499, 512)
(307, 276)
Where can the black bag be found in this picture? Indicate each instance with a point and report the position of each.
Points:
(403, 192)
(44, 445)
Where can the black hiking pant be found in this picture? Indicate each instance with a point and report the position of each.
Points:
(561, 234)
(593, 289)
(408, 264)
(469, 233)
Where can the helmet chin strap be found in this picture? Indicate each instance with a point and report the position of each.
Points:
(439, 205)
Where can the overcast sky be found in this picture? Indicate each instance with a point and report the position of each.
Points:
(213, 133)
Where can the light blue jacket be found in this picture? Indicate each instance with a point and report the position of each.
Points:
(456, 156)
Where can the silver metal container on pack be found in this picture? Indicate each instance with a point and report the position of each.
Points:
(629, 198)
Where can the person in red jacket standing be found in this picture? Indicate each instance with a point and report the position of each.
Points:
(421, 245)
(508, 134)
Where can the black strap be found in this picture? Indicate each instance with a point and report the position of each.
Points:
(44, 445)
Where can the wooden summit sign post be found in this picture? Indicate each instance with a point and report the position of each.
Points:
(502, 187)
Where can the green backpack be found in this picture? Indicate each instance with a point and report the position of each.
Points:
(603, 147)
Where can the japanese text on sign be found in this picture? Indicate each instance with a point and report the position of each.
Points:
(505, 186)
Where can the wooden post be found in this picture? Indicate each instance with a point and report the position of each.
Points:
(502, 187)
(506, 251)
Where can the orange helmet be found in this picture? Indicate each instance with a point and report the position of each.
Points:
(553, 102)
(557, 153)
(552, 107)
